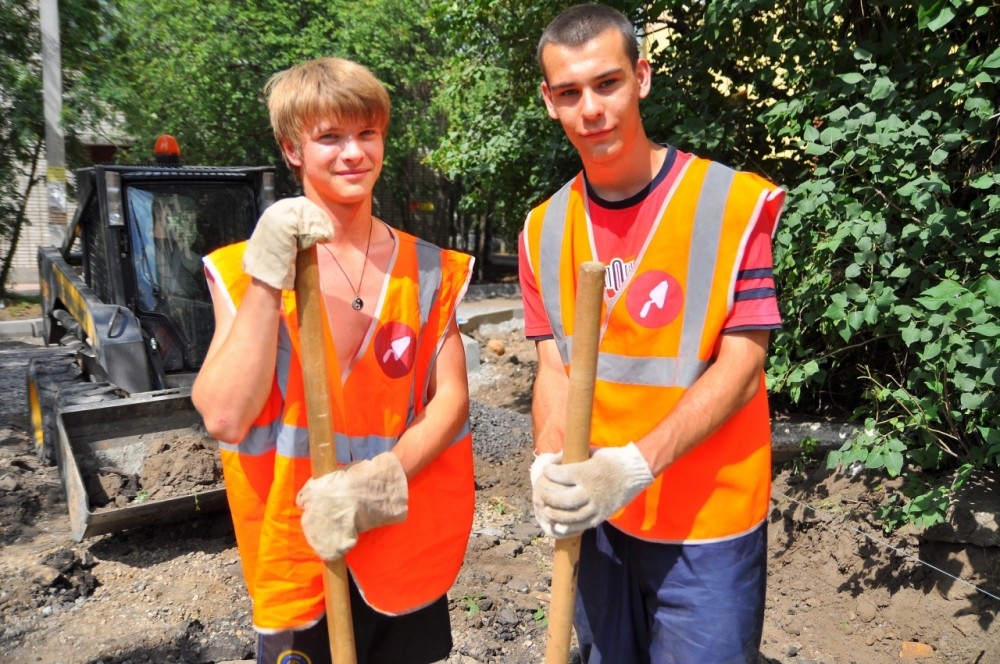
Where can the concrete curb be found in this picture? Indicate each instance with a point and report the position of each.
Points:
(473, 315)
(788, 436)
(29, 327)
(470, 322)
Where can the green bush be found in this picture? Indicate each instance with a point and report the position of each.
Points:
(887, 254)
(881, 119)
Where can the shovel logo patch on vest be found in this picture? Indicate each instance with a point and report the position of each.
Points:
(395, 349)
(654, 299)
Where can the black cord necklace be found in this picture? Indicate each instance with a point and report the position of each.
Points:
(358, 303)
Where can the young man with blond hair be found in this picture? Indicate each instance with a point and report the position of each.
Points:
(399, 507)
(672, 505)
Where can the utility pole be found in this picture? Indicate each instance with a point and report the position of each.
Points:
(55, 149)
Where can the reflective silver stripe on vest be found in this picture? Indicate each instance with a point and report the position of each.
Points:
(287, 440)
(428, 292)
(293, 443)
(654, 371)
(429, 271)
(681, 371)
(463, 432)
(349, 448)
(283, 360)
(261, 440)
(352, 448)
(258, 441)
(705, 237)
(550, 255)
(429, 260)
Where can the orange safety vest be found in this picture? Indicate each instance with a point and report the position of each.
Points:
(398, 568)
(658, 335)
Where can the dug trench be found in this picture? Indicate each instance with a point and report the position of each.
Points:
(839, 590)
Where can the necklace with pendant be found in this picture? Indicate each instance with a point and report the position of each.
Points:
(358, 303)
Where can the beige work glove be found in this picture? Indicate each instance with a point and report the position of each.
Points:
(537, 466)
(285, 228)
(338, 506)
(573, 497)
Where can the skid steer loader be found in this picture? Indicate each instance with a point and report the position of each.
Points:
(127, 311)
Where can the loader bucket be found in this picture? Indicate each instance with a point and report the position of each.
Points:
(115, 438)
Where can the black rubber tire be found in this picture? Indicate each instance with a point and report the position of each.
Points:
(48, 375)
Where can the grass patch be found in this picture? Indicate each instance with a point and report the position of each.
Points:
(14, 306)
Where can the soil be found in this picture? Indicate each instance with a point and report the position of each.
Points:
(177, 463)
(839, 589)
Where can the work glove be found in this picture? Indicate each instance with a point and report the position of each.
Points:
(285, 228)
(573, 497)
(537, 466)
(338, 506)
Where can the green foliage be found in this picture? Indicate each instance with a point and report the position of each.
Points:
(498, 145)
(197, 71)
(923, 503)
(471, 603)
(882, 122)
(887, 251)
(398, 42)
(806, 458)
(714, 76)
(21, 120)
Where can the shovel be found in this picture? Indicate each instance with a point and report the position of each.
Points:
(316, 372)
(576, 448)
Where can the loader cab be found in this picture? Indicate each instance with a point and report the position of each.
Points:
(172, 225)
(137, 241)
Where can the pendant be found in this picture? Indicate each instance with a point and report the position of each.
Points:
(358, 303)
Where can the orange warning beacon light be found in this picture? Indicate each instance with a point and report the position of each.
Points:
(167, 151)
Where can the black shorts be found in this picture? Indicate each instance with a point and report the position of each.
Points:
(420, 637)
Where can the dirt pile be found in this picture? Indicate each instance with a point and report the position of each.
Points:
(177, 463)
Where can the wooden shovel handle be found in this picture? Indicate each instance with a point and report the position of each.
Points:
(576, 448)
(322, 448)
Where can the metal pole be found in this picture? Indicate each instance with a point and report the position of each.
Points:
(55, 150)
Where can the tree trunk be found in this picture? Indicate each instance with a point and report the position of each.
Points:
(486, 246)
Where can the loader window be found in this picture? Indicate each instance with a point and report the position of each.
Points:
(173, 226)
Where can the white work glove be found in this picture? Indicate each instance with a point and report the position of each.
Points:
(573, 497)
(338, 506)
(285, 228)
(537, 466)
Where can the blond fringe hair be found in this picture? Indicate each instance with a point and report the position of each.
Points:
(323, 88)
